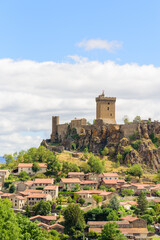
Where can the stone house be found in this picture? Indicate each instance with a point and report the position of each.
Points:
(5, 173)
(109, 183)
(79, 175)
(92, 176)
(69, 183)
(27, 167)
(58, 227)
(128, 204)
(18, 202)
(89, 183)
(37, 197)
(42, 182)
(44, 219)
(109, 176)
(22, 186)
(27, 192)
(52, 190)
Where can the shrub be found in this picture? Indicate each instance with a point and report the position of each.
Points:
(105, 151)
(127, 192)
(133, 136)
(136, 144)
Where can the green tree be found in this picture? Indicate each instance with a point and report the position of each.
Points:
(114, 203)
(23, 176)
(105, 151)
(9, 228)
(112, 216)
(125, 119)
(69, 167)
(93, 235)
(28, 212)
(53, 165)
(8, 158)
(97, 198)
(148, 218)
(81, 201)
(96, 165)
(35, 167)
(119, 157)
(110, 231)
(12, 188)
(74, 219)
(142, 203)
(136, 170)
(42, 208)
(59, 200)
(127, 192)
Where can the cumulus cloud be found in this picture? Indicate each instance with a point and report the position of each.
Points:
(31, 92)
(100, 44)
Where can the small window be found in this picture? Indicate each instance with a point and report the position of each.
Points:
(107, 108)
(108, 103)
(111, 114)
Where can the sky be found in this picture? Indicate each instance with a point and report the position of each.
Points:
(57, 56)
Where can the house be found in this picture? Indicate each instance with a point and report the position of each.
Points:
(139, 233)
(92, 176)
(27, 167)
(79, 175)
(42, 182)
(44, 219)
(109, 176)
(58, 227)
(22, 186)
(89, 183)
(37, 197)
(128, 204)
(135, 222)
(97, 226)
(18, 202)
(69, 183)
(52, 190)
(5, 173)
(109, 183)
(27, 192)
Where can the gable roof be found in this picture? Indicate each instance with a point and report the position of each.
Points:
(110, 174)
(23, 165)
(76, 173)
(43, 180)
(110, 181)
(70, 180)
(50, 187)
(50, 218)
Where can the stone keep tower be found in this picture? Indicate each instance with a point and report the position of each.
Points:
(105, 109)
(55, 122)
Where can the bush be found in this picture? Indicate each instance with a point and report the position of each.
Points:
(136, 170)
(127, 192)
(105, 151)
(136, 144)
(148, 218)
(133, 136)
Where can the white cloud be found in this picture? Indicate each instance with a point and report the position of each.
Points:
(32, 92)
(100, 44)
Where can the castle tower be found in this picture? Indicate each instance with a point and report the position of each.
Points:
(105, 109)
(55, 122)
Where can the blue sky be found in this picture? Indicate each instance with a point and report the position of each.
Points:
(49, 30)
(57, 56)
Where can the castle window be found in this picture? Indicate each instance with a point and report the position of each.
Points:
(107, 108)
(108, 103)
(111, 114)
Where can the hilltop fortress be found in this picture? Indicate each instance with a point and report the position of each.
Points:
(136, 142)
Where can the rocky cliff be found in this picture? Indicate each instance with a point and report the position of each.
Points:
(129, 143)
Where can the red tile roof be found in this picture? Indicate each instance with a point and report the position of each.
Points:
(40, 195)
(76, 173)
(88, 182)
(43, 180)
(129, 218)
(133, 230)
(110, 181)
(110, 174)
(23, 165)
(50, 187)
(70, 180)
(49, 218)
(56, 225)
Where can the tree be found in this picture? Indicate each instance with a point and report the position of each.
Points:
(125, 119)
(136, 170)
(42, 208)
(53, 165)
(93, 235)
(119, 157)
(105, 151)
(12, 188)
(96, 165)
(81, 201)
(28, 212)
(8, 158)
(113, 216)
(114, 203)
(74, 219)
(127, 192)
(9, 228)
(137, 119)
(110, 231)
(35, 167)
(148, 218)
(142, 203)
(23, 176)
(97, 198)
(59, 200)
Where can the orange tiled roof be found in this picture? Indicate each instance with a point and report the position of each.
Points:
(50, 188)
(50, 218)
(76, 173)
(40, 195)
(133, 230)
(23, 165)
(110, 174)
(70, 180)
(43, 180)
(88, 182)
(129, 218)
(110, 181)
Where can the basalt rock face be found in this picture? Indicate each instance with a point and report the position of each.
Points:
(131, 140)
(136, 142)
